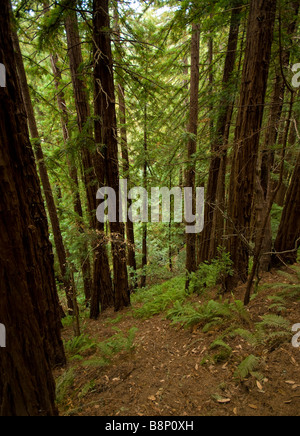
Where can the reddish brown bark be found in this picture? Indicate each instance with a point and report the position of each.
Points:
(29, 304)
(247, 135)
(192, 142)
(211, 237)
(58, 240)
(102, 290)
(106, 139)
(288, 237)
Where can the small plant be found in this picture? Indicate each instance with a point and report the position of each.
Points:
(87, 388)
(211, 274)
(108, 349)
(208, 316)
(159, 298)
(63, 383)
(290, 289)
(247, 367)
(79, 345)
(224, 351)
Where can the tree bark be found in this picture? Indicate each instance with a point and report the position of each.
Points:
(106, 139)
(84, 259)
(124, 150)
(192, 143)
(29, 304)
(58, 240)
(264, 185)
(288, 237)
(211, 237)
(247, 134)
(102, 290)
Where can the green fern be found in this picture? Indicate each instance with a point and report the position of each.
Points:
(248, 365)
(79, 345)
(225, 351)
(291, 288)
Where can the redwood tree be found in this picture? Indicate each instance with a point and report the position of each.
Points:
(29, 304)
(288, 237)
(211, 236)
(247, 134)
(190, 181)
(106, 141)
(102, 289)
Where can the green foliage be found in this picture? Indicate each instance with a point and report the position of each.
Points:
(224, 351)
(271, 332)
(209, 275)
(248, 366)
(160, 297)
(108, 349)
(79, 345)
(63, 384)
(87, 388)
(209, 315)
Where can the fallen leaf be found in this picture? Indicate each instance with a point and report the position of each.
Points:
(224, 400)
(259, 386)
(290, 382)
(152, 398)
(235, 411)
(252, 406)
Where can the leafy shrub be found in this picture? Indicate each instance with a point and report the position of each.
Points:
(157, 299)
(209, 275)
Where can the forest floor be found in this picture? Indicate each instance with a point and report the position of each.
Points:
(161, 369)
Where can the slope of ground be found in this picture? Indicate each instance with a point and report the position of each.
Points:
(161, 369)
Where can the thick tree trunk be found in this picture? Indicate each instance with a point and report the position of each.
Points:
(58, 240)
(192, 143)
(102, 290)
(29, 304)
(211, 237)
(264, 185)
(106, 138)
(288, 237)
(247, 134)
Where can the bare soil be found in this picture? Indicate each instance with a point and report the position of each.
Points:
(163, 376)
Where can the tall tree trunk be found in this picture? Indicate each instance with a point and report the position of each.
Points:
(192, 143)
(102, 291)
(264, 185)
(106, 137)
(145, 186)
(84, 259)
(58, 240)
(288, 237)
(29, 304)
(247, 134)
(124, 150)
(211, 237)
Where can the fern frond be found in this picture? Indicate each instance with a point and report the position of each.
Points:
(251, 363)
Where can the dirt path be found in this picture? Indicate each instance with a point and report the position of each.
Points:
(163, 376)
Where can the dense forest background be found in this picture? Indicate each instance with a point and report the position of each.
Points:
(164, 94)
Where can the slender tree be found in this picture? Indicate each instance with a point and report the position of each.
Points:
(192, 141)
(124, 145)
